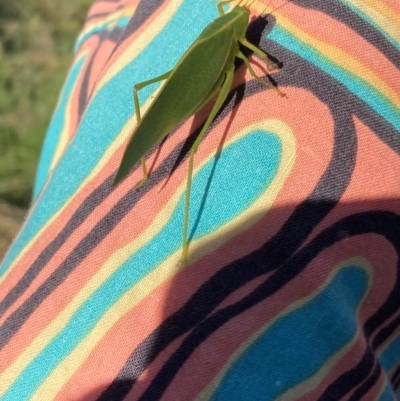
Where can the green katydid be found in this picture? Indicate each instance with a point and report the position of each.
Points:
(206, 68)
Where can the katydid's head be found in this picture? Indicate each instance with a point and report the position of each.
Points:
(245, 4)
(242, 13)
(255, 6)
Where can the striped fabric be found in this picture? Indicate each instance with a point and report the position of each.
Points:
(292, 286)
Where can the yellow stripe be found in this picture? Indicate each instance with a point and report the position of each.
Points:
(383, 16)
(65, 133)
(64, 371)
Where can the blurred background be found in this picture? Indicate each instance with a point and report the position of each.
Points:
(36, 50)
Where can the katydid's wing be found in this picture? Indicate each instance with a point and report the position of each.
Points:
(194, 80)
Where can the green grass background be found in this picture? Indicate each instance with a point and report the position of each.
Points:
(36, 49)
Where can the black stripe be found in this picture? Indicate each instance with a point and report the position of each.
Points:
(368, 384)
(350, 379)
(396, 378)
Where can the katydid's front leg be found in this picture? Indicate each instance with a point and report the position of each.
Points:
(136, 88)
(221, 4)
(226, 86)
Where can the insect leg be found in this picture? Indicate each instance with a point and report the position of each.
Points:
(221, 4)
(218, 103)
(259, 53)
(136, 88)
(252, 72)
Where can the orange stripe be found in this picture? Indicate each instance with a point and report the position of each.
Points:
(100, 7)
(97, 66)
(394, 4)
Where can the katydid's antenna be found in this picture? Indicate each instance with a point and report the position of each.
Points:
(275, 9)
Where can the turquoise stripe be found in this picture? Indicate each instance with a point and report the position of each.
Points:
(368, 19)
(56, 127)
(230, 193)
(109, 111)
(298, 344)
(241, 175)
(390, 357)
(362, 89)
(106, 26)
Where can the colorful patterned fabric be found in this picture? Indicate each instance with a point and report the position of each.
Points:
(292, 286)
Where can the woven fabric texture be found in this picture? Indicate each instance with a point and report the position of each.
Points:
(291, 290)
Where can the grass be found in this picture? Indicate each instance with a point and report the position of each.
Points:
(36, 42)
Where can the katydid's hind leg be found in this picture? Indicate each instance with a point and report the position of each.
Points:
(226, 86)
(265, 82)
(137, 88)
(145, 173)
